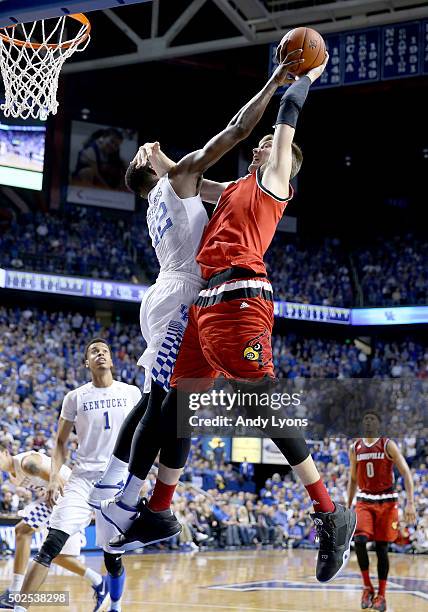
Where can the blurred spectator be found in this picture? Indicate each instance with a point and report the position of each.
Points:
(246, 470)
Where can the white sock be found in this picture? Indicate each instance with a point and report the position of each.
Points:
(17, 582)
(116, 605)
(19, 609)
(114, 472)
(93, 577)
(131, 492)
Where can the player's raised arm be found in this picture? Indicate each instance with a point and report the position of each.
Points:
(151, 152)
(59, 455)
(242, 123)
(352, 484)
(394, 453)
(278, 171)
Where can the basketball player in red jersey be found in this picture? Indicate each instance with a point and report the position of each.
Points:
(372, 463)
(230, 326)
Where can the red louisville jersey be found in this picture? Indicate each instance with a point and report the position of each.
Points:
(241, 228)
(375, 471)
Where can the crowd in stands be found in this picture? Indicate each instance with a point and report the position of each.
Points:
(79, 241)
(91, 242)
(310, 274)
(394, 272)
(41, 359)
(319, 358)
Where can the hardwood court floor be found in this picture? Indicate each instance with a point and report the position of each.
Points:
(241, 581)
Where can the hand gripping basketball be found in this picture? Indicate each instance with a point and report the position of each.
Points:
(283, 73)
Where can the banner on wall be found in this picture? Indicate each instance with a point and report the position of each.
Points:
(271, 453)
(99, 157)
(7, 534)
(211, 443)
(247, 449)
(368, 55)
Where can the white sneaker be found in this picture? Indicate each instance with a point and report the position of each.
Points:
(99, 492)
(118, 514)
(201, 537)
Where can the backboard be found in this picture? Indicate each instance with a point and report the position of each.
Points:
(23, 11)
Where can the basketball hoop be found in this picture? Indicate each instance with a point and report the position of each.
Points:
(31, 58)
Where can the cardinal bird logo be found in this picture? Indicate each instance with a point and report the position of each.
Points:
(258, 349)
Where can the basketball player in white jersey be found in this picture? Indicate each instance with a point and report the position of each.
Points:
(31, 470)
(176, 220)
(97, 411)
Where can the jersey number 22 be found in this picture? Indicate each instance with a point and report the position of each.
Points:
(160, 224)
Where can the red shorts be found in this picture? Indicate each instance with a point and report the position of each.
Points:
(377, 521)
(230, 337)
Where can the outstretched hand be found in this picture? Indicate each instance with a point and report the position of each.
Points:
(145, 153)
(282, 74)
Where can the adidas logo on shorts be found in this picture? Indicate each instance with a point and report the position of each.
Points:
(244, 305)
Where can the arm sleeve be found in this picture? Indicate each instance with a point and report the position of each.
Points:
(69, 407)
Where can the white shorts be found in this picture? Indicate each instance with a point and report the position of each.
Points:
(163, 320)
(37, 515)
(72, 513)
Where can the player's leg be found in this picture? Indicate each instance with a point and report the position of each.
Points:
(74, 565)
(163, 317)
(385, 531)
(116, 577)
(111, 481)
(379, 602)
(68, 517)
(167, 319)
(122, 510)
(237, 342)
(363, 534)
(69, 560)
(38, 570)
(159, 524)
(23, 535)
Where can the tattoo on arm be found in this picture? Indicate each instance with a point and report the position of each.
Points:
(31, 467)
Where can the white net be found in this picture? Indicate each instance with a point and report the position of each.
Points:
(31, 58)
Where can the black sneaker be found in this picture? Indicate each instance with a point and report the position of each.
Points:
(335, 531)
(7, 600)
(148, 528)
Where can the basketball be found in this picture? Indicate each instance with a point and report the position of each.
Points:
(310, 41)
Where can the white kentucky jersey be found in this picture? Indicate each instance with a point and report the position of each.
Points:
(98, 414)
(175, 227)
(22, 479)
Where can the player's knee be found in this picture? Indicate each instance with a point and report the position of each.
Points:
(361, 539)
(22, 530)
(113, 563)
(295, 449)
(382, 548)
(175, 455)
(51, 547)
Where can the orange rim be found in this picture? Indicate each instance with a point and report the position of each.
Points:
(80, 17)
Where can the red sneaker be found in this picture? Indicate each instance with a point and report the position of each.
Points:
(367, 598)
(379, 603)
